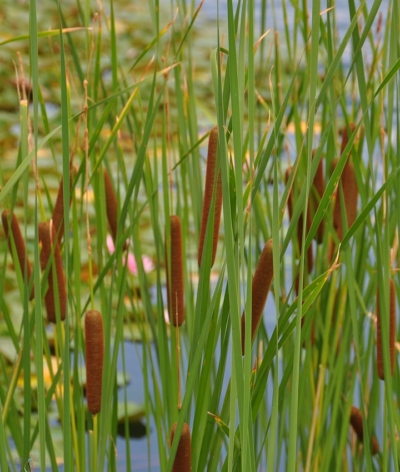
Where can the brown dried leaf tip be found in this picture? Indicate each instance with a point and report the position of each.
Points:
(111, 206)
(183, 459)
(12, 230)
(261, 285)
(51, 251)
(356, 421)
(94, 359)
(58, 211)
(212, 181)
(392, 331)
(175, 289)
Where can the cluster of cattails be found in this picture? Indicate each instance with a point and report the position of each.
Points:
(50, 237)
(356, 421)
(261, 285)
(13, 233)
(56, 294)
(347, 190)
(183, 461)
(94, 339)
(392, 331)
(213, 186)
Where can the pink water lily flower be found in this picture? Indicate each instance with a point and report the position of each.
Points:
(130, 260)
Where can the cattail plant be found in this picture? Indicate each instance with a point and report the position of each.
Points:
(345, 136)
(348, 184)
(392, 331)
(317, 191)
(175, 282)
(51, 252)
(58, 211)
(261, 284)
(356, 421)
(183, 459)
(310, 257)
(94, 359)
(212, 182)
(111, 206)
(12, 230)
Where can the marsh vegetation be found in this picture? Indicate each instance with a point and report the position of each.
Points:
(209, 192)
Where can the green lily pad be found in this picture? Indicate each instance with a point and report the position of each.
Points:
(132, 410)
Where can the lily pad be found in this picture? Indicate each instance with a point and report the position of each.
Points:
(122, 378)
(132, 410)
(135, 332)
(7, 348)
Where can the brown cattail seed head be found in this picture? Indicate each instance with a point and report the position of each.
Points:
(58, 211)
(183, 459)
(51, 251)
(12, 229)
(310, 257)
(111, 206)
(211, 181)
(94, 359)
(374, 446)
(317, 191)
(392, 331)
(348, 183)
(356, 421)
(345, 136)
(175, 289)
(261, 285)
(290, 196)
